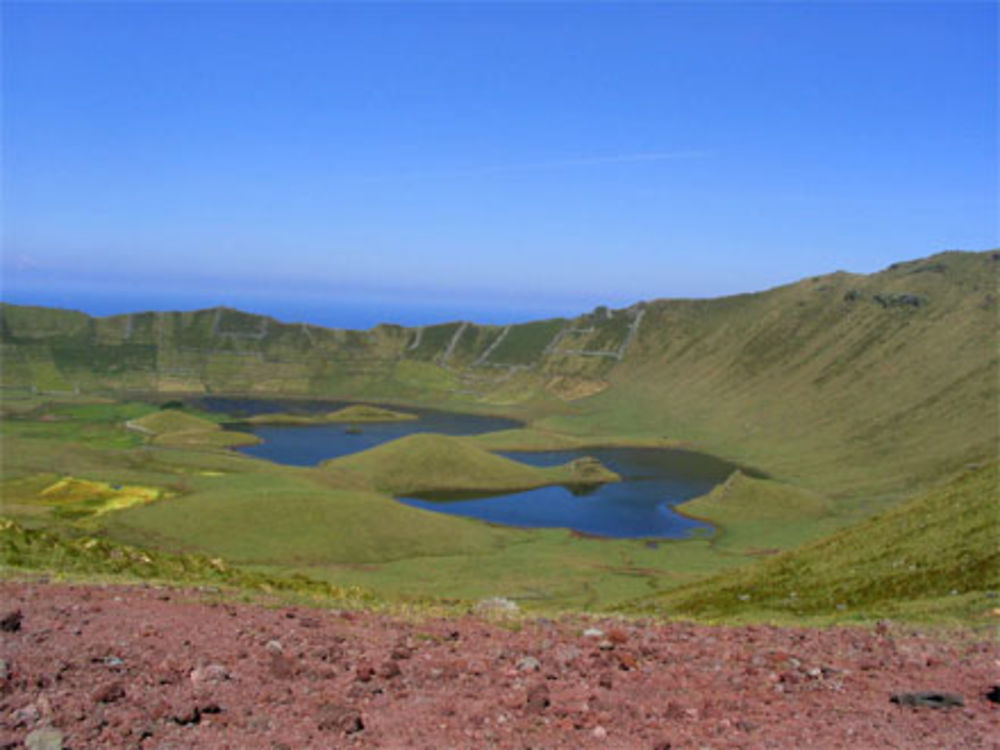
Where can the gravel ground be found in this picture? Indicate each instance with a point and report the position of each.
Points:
(147, 667)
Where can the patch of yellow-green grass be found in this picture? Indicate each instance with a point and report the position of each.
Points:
(353, 413)
(761, 516)
(75, 498)
(936, 555)
(427, 462)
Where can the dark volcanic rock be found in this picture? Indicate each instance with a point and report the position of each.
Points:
(109, 693)
(538, 698)
(339, 718)
(11, 622)
(928, 699)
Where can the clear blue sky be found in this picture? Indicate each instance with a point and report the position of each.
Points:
(351, 163)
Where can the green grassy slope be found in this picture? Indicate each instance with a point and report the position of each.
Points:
(851, 391)
(939, 552)
(24, 549)
(266, 519)
(426, 462)
(859, 386)
(759, 516)
(831, 383)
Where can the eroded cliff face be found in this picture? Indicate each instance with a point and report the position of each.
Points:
(224, 350)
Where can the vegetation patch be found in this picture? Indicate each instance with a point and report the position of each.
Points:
(350, 414)
(935, 555)
(74, 498)
(31, 549)
(426, 463)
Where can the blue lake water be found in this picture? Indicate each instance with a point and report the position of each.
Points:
(640, 506)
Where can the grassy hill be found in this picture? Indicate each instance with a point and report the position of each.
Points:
(936, 552)
(425, 462)
(171, 427)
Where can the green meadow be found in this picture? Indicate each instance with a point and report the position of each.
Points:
(867, 403)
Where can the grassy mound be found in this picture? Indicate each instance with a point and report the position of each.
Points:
(427, 462)
(263, 519)
(172, 420)
(761, 516)
(935, 554)
(352, 414)
(178, 429)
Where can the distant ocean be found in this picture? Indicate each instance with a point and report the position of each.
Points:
(332, 312)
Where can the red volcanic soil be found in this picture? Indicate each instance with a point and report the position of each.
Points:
(145, 667)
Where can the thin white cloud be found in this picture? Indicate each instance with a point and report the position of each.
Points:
(538, 166)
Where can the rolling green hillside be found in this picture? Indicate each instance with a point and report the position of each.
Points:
(851, 393)
(843, 383)
(938, 551)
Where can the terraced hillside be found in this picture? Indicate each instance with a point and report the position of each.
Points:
(840, 382)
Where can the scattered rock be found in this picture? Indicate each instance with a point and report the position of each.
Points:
(202, 676)
(593, 633)
(528, 664)
(187, 715)
(282, 666)
(45, 738)
(363, 673)
(340, 718)
(11, 622)
(599, 733)
(389, 669)
(274, 647)
(898, 300)
(401, 652)
(109, 693)
(538, 698)
(928, 699)
(496, 606)
(26, 716)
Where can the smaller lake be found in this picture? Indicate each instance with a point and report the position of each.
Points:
(308, 445)
(640, 506)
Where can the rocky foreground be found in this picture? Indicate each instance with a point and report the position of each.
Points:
(145, 667)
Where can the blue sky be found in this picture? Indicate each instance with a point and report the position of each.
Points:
(349, 163)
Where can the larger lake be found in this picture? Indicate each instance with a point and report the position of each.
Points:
(640, 506)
